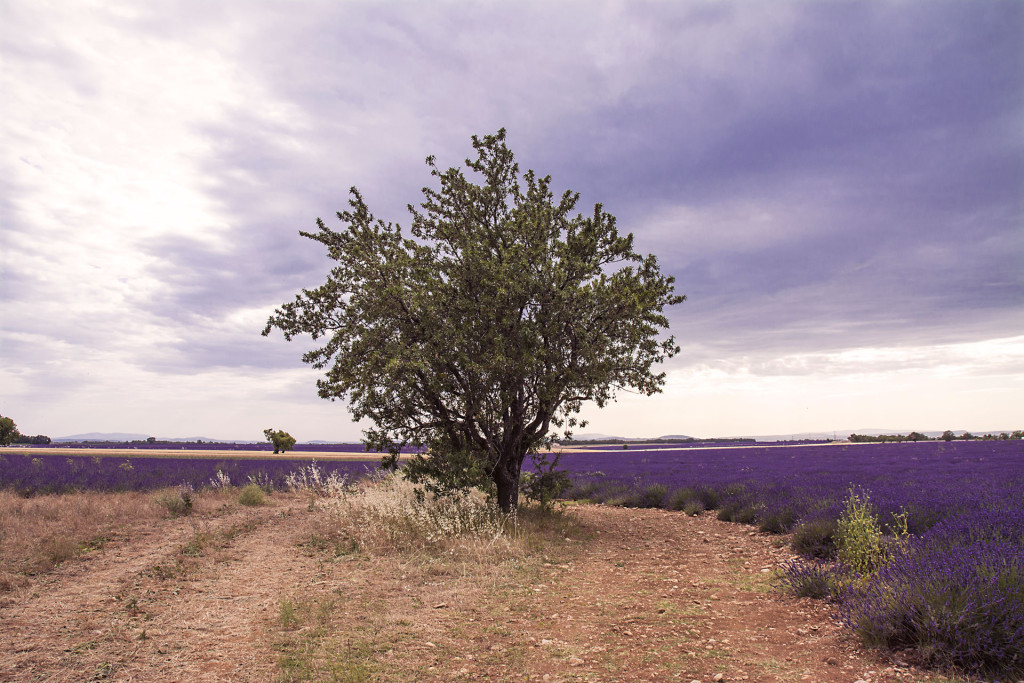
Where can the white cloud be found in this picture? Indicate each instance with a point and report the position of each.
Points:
(830, 188)
(976, 386)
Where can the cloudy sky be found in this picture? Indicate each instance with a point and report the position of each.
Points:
(838, 188)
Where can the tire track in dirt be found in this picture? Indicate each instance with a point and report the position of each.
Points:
(212, 625)
(85, 620)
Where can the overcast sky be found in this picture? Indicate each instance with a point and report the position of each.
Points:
(838, 188)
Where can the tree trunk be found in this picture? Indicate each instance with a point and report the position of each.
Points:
(506, 481)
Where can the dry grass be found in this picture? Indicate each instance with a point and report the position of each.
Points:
(41, 532)
(389, 516)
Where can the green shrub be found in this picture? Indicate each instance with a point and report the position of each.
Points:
(618, 495)
(251, 494)
(629, 499)
(860, 542)
(609, 493)
(547, 484)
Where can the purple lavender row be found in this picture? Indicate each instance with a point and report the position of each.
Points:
(805, 482)
(213, 446)
(37, 473)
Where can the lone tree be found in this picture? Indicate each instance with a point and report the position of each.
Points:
(283, 441)
(487, 328)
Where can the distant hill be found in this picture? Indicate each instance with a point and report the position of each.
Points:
(593, 436)
(103, 436)
(124, 436)
(321, 442)
(197, 438)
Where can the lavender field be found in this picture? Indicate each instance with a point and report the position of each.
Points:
(777, 486)
(37, 472)
(203, 446)
(920, 546)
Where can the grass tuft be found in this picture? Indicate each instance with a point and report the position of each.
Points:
(693, 508)
(177, 502)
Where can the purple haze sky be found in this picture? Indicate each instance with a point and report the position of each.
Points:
(838, 187)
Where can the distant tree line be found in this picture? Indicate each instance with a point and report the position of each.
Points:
(601, 442)
(947, 435)
(9, 434)
(37, 440)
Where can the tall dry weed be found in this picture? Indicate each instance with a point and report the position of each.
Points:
(312, 480)
(390, 515)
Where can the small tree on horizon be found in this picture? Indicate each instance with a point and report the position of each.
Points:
(283, 441)
(487, 329)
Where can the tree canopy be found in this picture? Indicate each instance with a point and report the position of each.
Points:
(8, 431)
(487, 327)
(282, 441)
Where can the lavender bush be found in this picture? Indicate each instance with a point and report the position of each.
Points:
(812, 579)
(951, 603)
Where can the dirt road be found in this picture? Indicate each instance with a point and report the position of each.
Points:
(248, 595)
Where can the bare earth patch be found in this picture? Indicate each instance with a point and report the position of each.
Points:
(251, 594)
